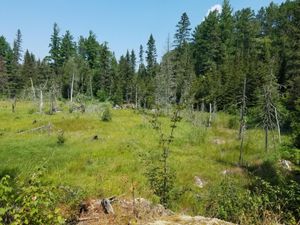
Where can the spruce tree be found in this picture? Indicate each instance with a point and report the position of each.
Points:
(182, 35)
(151, 57)
(17, 48)
(55, 45)
(67, 48)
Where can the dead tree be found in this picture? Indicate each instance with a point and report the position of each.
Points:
(278, 125)
(242, 122)
(14, 104)
(269, 114)
(33, 90)
(41, 105)
(41, 101)
(52, 96)
(72, 87)
(210, 115)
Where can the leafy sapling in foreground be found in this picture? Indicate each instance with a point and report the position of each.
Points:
(159, 173)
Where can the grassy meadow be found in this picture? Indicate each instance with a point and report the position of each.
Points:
(108, 166)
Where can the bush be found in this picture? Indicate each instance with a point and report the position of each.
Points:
(60, 137)
(31, 111)
(233, 123)
(29, 202)
(106, 114)
(260, 203)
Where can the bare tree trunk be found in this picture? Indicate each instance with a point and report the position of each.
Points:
(136, 97)
(214, 110)
(41, 101)
(243, 108)
(242, 123)
(266, 138)
(72, 87)
(241, 148)
(202, 106)
(33, 90)
(210, 112)
(278, 125)
(14, 104)
(91, 87)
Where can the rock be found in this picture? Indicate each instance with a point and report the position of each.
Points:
(184, 219)
(286, 164)
(117, 107)
(219, 141)
(199, 182)
(108, 209)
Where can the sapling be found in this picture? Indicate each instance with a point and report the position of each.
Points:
(160, 175)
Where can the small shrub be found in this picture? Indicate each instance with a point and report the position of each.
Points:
(28, 202)
(31, 111)
(259, 203)
(106, 114)
(60, 137)
(233, 123)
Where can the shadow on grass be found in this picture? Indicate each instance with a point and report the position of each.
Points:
(226, 162)
(12, 172)
(269, 172)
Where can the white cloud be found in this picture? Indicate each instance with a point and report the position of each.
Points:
(217, 7)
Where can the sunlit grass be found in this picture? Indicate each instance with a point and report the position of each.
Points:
(109, 165)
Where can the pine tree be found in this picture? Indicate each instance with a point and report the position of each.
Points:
(182, 35)
(165, 90)
(67, 48)
(4, 65)
(207, 44)
(132, 61)
(29, 69)
(151, 57)
(55, 45)
(183, 60)
(17, 48)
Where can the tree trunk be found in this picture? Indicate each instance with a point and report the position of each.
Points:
(41, 101)
(210, 112)
(72, 87)
(202, 106)
(241, 148)
(136, 97)
(266, 138)
(14, 104)
(243, 108)
(33, 90)
(91, 87)
(278, 125)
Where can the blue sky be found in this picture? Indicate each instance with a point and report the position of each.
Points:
(124, 24)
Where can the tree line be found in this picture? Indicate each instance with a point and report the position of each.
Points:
(238, 61)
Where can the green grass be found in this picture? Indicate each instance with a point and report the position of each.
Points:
(107, 166)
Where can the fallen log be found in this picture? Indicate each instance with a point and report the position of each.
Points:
(45, 127)
(89, 218)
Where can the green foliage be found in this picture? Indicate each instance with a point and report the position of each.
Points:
(60, 137)
(28, 202)
(260, 203)
(161, 180)
(290, 153)
(233, 123)
(102, 95)
(159, 173)
(106, 114)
